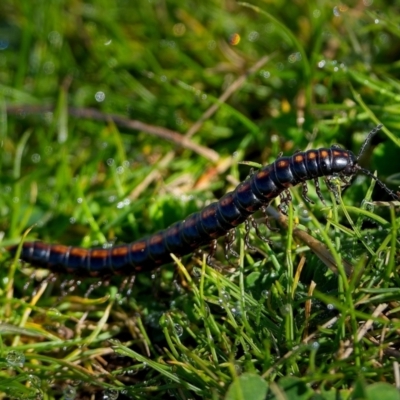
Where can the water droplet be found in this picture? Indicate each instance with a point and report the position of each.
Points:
(178, 330)
(206, 310)
(336, 11)
(330, 307)
(265, 293)
(54, 38)
(196, 272)
(316, 13)
(265, 74)
(15, 358)
(253, 36)
(69, 393)
(110, 394)
(315, 345)
(179, 29)
(35, 381)
(53, 313)
(285, 309)
(35, 158)
(304, 214)
(100, 96)
(225, 296)
(238, 368)
(294, 57)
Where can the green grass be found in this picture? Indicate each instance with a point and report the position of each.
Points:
(120, 118)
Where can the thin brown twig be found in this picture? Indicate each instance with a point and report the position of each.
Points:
(224, 96)
(120, 121)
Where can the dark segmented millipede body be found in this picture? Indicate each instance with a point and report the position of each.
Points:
(203, 227)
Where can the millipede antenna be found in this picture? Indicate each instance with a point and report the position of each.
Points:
(368, 139)
(379, 182)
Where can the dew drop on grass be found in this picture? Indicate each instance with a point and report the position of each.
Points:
(316, 13)
(110, 394)
(336, 11)
(238, 368)
(225, 296)
(265, 74)
(35, 158)
(178, 330)
(294, 57)
(196, 272)
(53, 313)
(285, 309)
(15, 358)
(35, 381)
(315, 345)
(206, 310)
(304, 214)
(69, 393)
(100, 96)
(265, 293)
(253, 36)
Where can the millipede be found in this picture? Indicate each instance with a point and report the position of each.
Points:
(213, 221)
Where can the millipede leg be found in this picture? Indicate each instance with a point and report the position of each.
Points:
(229, 240)
(257, 229)
(247, 227)
(211, 254)
(130, 285)
(267, 220)
(127, 284)
(29, 281)
(304, 192)
(96, 285)
(51, 278)
(286, 198)
(332, 188)
(318, 190)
